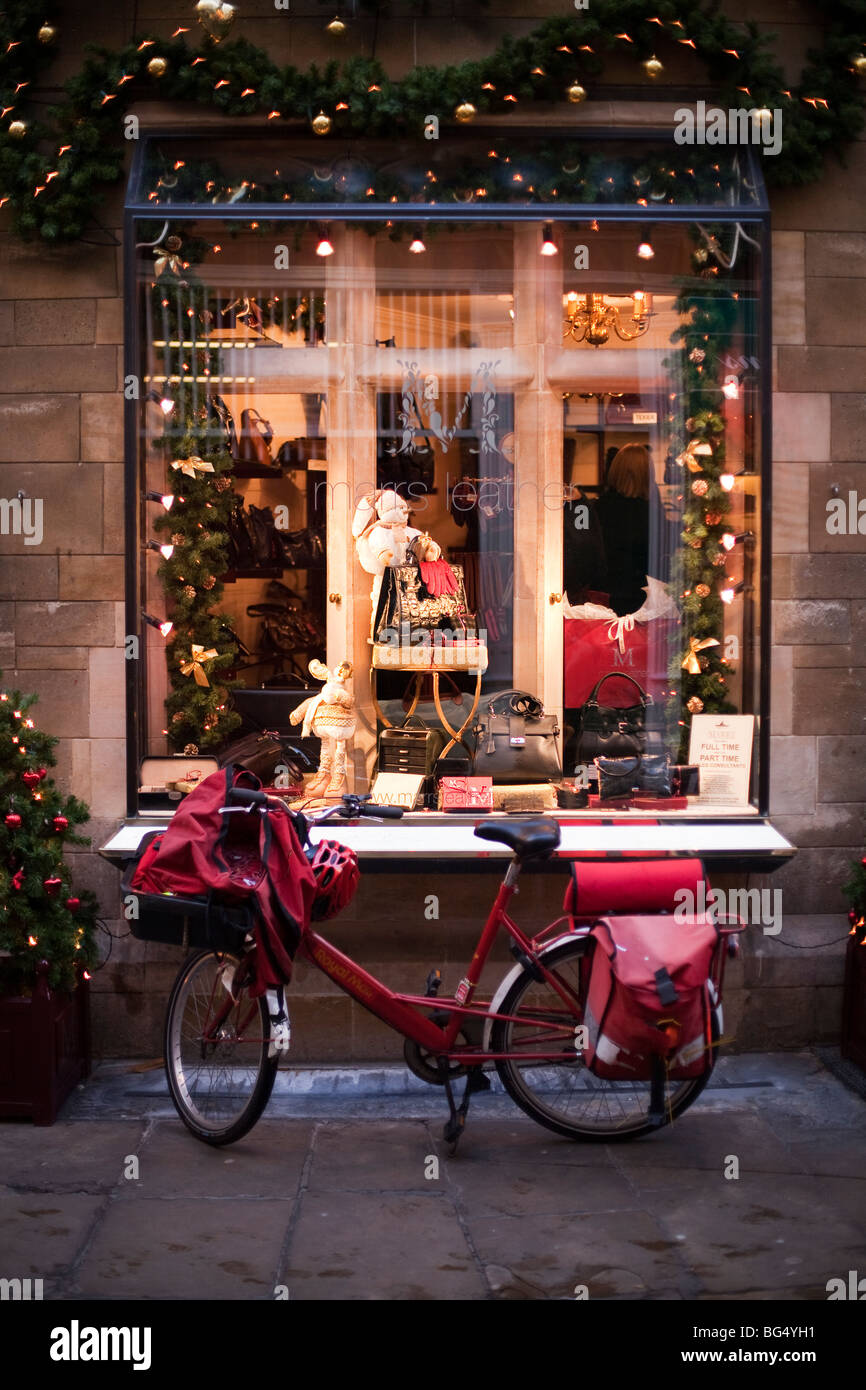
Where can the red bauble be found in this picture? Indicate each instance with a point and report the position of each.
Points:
(41, 772)
(852, 916)
(17, 880)
(13, 820)
(52, 886)
(31, 779)
(60, 824)
(73, 904)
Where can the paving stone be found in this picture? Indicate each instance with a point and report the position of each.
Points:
(387, 1158)
(518, 1141)
(525, 1189)
(703, 1140)
(359, 1246)
(760, 1232)
(267, 1162)
(830, 1152)
(553, 1254)
(42, 1233)
(188, 1248)
(66, 1157)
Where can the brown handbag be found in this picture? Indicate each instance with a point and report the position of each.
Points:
(254, 440)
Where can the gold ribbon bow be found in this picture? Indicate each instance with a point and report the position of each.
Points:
(690, 661)
(193, 465)
(171, 262)
(194, 667)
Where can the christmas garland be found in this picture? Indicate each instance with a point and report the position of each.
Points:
(51, 194)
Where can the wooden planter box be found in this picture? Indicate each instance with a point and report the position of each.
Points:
(854, 1002)
(44, 1050)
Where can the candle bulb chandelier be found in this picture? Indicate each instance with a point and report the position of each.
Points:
(589, 318)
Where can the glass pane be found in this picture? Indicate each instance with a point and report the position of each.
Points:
(500, 168)
(661, 414)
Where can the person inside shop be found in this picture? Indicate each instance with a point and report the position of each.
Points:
(624, 511)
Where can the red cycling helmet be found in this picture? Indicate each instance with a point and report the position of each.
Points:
(335, 869)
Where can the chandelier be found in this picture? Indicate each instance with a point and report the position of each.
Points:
(589, 318)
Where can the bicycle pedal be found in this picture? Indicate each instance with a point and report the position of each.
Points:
(434, 982)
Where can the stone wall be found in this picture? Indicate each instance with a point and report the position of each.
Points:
(61, 604)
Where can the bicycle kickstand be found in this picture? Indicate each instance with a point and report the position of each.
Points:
(456, 1123)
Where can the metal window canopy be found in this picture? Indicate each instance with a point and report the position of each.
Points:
(748, 842)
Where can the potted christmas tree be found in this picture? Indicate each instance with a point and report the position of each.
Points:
(854, 1001)
(46, 929)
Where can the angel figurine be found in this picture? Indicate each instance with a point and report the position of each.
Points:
(330, 715)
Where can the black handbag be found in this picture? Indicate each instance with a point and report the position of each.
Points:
(517, 741)
(241, 543)
(618, 777)
(607, 731)
(264, 536)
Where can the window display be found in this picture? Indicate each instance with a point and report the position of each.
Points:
(496, 480)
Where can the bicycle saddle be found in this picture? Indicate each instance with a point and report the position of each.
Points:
(526, 838)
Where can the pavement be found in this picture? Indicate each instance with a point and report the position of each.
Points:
(345, 1191)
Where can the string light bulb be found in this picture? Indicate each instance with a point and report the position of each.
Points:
(165, 498)
(164, 628)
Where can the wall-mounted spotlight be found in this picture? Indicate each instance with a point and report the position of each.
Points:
(166, 498)
(164, 628)
(645, 248)
(729, 540)
(548, 245)
(166, 551)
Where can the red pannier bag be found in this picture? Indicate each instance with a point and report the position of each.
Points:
(237, 856)
(648, 997)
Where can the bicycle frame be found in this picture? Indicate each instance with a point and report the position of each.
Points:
(402, 1011)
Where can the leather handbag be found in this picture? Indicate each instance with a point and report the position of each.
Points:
(254, 441)
(264, 536)
(303, 549)
(241, 542)
(404, 599)
(619, 777)
(517, 741)
(608, 731)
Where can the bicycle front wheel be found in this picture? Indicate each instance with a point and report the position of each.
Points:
(564, 1095)
(216, 1048)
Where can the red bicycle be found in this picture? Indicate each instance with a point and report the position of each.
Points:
(223, 1045)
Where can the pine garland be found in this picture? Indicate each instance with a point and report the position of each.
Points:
(52, 194)
(198, 476)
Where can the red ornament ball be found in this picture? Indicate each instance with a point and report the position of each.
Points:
(13, 820)
(18, 880)
(52, 886)
(60, 824)
(73, 904)
(31, 779)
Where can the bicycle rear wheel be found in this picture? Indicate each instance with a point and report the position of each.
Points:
(565, 1096)
(216, 1048)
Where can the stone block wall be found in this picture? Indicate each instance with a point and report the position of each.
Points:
(61, 603)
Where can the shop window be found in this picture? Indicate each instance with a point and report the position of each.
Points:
(571, 408)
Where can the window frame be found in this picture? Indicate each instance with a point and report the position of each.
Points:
(465, 213)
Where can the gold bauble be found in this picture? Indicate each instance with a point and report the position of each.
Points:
(652, 67)
(576, 94)
(216, 19)
(336, 26)
(157, 67)
(17, 129)
(47, 34)
(321, 124)
(859, 64)
(465, 112)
